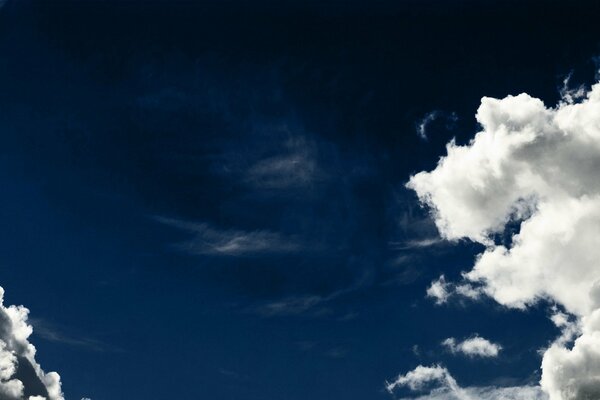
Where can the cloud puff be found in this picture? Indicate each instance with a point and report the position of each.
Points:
(538, 166)
(21, 377)
(442, 386)
(211, 241)
(473, 347)
(439, 290)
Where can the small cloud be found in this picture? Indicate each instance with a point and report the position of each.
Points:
(473, 347)
(421, 376)
(416, 243)
(290, 305)
(439, 290)
(422, 125)
(210, 241)
(570, 94)
(416, 350)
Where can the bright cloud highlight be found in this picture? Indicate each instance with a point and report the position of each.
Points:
(538, 165)
(21, 377)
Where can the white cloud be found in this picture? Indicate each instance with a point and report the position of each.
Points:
(21, 377)
(569, 94)
(422, 125)
(538, 165)
(416, 243)
(440, 385)
(473, 347)
(439, 290)
(210, 241)
(295, 167)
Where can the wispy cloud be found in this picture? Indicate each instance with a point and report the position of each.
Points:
(281, 160)
(53, 333)
(295, 166)
(421, 125)
(571, 94)
(230, 242)
(291, 305)
(416, 243)
(295, 305)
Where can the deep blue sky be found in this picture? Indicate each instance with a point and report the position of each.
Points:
(137, 135)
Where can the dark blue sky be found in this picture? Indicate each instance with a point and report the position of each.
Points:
(205, 200)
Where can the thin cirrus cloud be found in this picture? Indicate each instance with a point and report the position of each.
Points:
(207, 240)
(21, 377)
(539, 166)
(423, 124)
(279, 161)
(475, 346)
(294, 168)
(295, 305)
(52, 333)
(414, 244)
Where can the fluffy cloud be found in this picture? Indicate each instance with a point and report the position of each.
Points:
(21, 377)
(442, 386)
(473, 347)
(439, 290)
(538, 166)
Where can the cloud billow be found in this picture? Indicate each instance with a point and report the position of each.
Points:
(21, 377)
(473, 347)
(537, 166)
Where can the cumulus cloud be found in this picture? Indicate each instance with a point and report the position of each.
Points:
(538, 166)
(473, 347)
(21, 377)
(442, 386)
(439, 290)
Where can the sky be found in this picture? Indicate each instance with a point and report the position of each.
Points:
(299, 200)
